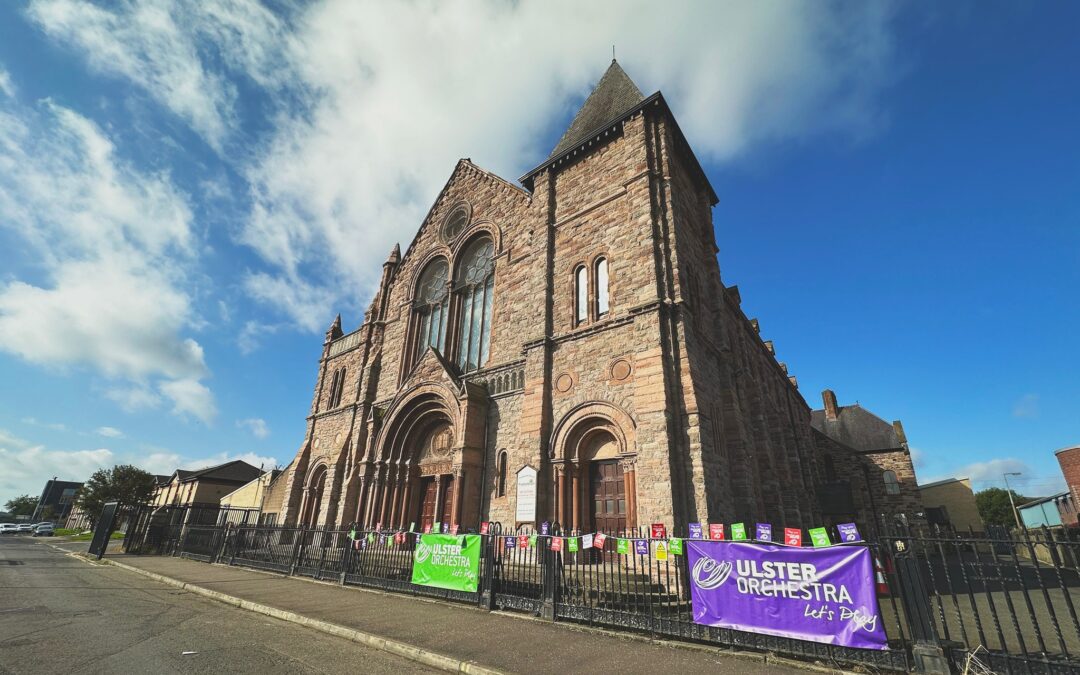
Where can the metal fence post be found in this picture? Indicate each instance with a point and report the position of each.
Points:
(926, 646)
(346, 554)
(488, 549)
(302, 532)
(550, 576)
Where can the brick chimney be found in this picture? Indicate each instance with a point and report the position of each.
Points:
(829, 398)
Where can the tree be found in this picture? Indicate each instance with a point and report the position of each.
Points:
(994, 507)
(122, 483)
(22, 506)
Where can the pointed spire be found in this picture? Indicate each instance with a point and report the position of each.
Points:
(394, 257)
(334, 332)
(614, 94)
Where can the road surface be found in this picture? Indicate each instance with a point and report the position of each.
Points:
(59, 614)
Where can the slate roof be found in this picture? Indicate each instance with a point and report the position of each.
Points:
(857, 427)
(237, 471)
(614, 94)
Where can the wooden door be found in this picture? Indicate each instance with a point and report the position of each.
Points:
(447, 512)
(608, 497)
(428, 496)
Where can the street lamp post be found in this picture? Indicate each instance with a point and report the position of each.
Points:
(1016, 514)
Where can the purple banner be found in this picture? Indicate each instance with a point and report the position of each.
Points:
(824, 595)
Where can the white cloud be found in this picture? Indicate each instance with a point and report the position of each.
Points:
(28, 467)
(190, 397)
(33, 421)
(371, 103)
(115, 246)
(134, 398)
(1027, 407)
(7, 87)
(255, 425)
(164, 47)
(109, 432)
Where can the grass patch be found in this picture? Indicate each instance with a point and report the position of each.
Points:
(65, 532)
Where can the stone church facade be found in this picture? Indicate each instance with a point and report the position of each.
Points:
(560, 350)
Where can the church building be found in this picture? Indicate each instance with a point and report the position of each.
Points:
(563, 349)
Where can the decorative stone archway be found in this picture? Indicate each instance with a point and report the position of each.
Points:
(423, 461)
(314, 493)
(593, 454)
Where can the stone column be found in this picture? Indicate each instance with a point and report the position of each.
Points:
(437, 518)
(559, 492)
(575, 497)
(403, 517)
(459, 488)
(630, 490)
(388, 495)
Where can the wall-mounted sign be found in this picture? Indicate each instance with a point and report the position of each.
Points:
(526, 495)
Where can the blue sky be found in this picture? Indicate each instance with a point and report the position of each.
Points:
(190, 191)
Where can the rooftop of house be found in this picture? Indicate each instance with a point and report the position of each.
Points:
(856, 427)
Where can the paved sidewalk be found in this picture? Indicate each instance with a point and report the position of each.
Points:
(510, 643)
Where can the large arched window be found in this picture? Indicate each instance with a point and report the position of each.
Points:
(475, 283)
(432, 306)
(581, 295)
(892, 485)
(601, 287)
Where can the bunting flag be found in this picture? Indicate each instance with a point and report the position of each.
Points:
(352, 533)
(661, 550)
(446, 528)
(545, 528)
(382, 540)
(524, 541)
(676, 546)
(399, 538)
(738, 532)
(412, 526)
(792, 536)
(659, 531)
(427, 529)
(622, 546)
(764, 532)
(572, 544)
(695, 531)
(641, 546)
(510, 541)
(532, 541)
(599, 539)
(848, 532)
(370, 538)
(819, 536)
(454, 528)
(556, 543)
(484, 527)
(716, 531)
(586, 541)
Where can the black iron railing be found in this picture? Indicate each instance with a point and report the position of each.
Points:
(1007, 599)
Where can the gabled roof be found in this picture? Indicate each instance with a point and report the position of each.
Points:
(944, 481)
(857, 428)
(614, 94)
(235, 471)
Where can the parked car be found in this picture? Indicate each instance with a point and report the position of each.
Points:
(44, 530)
(8, 528)
(25, 527)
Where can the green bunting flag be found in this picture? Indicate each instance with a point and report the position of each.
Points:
(532, 541)
(352, 533)
(676, 546)
(622, 546)
(572, 544)
(738, 531)
(370, 538)
(820, 537)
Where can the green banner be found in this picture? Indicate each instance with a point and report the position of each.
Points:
(738, 531)
(820, 537)
(447, 561)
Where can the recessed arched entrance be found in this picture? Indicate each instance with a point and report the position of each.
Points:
(313, 496)
(594, 470)
(418, 476)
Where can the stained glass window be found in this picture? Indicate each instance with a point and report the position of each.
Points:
(475, 284)
(432, 305)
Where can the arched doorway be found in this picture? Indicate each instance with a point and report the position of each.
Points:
(594, 470)
(313, 496)
(604, 509)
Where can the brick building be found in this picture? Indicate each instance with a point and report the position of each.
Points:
(561, 349)
(1069, 460)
